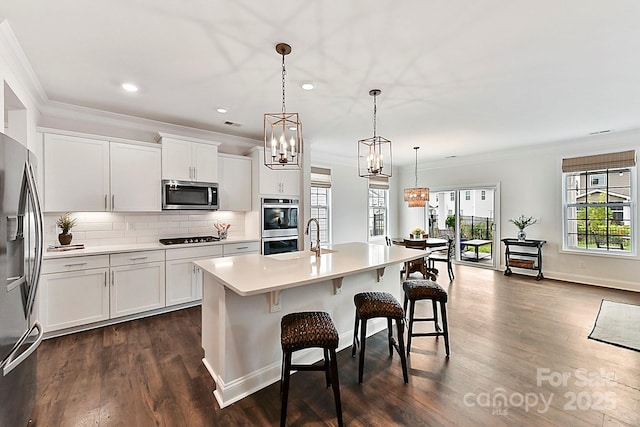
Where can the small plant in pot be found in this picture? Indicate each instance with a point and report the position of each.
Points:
(522, 223)
(417, 232)
(65, 223)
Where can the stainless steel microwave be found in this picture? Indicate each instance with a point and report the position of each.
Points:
(189, 195)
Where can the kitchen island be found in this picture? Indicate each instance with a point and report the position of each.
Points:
(244, 298)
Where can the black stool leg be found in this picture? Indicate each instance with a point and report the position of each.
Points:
(410, 333)
(336, 386)
(285, 389)
(326, 367)
(404, 306)
(363, 340)
(434, 305)
(355, 336)
(445, 326)
(403, 358)
(390, 336)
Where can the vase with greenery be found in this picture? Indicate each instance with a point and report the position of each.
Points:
(417, 232)
(65, 223)
(522, 223)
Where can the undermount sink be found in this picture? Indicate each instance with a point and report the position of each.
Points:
(299, 254)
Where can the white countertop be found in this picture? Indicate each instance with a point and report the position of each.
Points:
(254, 274)
(134, 247)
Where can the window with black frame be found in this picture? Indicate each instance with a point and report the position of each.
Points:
(599, 203)
(378, 204)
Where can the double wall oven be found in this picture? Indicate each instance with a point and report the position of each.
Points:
(279, 225)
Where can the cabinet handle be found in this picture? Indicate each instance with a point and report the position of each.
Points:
(105, 202)
(138, 258)
(242, 247)
(195, 173)
(113, 274)
(113, 202)
(78, 264)
(105, 279)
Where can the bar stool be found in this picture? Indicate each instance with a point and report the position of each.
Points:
(307, 330)
(415, 290)
(378, 304)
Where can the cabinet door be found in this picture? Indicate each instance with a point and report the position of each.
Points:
(181, 286)
(274, 182)
(176, 160)
(234, 189)
(135, 178)
(137, 288)
(205, 162)
(76, 174)
(289, 182)
(73, 299)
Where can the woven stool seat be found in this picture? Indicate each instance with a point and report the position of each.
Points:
(377, 304)
(308, 329)
(424, 289)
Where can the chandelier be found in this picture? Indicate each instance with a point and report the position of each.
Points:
(282, 131)
(374, 154)
(416, 196)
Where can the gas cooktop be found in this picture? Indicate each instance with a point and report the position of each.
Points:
(183, 240)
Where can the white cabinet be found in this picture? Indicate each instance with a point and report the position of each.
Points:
(273, 182)
(135, 177)
(73, 292)
(189, 160)
(241, 248)
(234, 185)
(184, 279)
(76, 174)
(89, 175)
(137, 282)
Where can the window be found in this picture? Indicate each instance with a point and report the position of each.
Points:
(483, 195)
(599, 203)
(452, 196)
(321, 200)
(378, 200)
(467, 195)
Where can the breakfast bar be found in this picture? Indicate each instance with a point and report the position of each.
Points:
(244, 298)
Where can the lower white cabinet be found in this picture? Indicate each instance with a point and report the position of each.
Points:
(184, 279)
(74, 292)
(137, 282)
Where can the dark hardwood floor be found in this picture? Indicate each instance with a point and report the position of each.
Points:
(511, 338)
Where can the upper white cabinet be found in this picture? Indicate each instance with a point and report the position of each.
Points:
(273, 182)
(189, 160)
(135, 178)
(76, 174)
(234, 185)
(90, 175)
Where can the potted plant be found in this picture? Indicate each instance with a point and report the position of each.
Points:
(522, 223)
(417, 232)
(65, 223)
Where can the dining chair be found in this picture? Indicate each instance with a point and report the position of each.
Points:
(444, 255)
(419, 265)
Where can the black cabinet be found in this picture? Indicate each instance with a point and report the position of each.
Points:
(522, 257)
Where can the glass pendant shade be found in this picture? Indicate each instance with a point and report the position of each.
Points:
(416, 197)
(283, 131)
(374, 154)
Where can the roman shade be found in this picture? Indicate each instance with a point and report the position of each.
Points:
(379, 182)
(320, 177)
(622, 159)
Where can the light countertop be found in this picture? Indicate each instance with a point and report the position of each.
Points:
(134, 247)
(254, 274)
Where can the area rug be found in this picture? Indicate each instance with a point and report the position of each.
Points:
(618, 324)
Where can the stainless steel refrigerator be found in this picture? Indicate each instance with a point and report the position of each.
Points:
(20, 261)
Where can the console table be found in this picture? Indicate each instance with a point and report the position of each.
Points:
(520, 258)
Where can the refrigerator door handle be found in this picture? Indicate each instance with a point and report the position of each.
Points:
(35, 277)
(12, 361)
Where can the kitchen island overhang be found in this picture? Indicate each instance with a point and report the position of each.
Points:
(244, 298)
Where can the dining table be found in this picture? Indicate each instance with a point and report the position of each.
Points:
(413, 266)
(430, 242)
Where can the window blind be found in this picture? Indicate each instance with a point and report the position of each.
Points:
(379, 182)
(622, 159)
(320, 177)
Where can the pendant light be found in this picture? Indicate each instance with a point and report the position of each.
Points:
(374, 154)
(283, 131)
(416, 196)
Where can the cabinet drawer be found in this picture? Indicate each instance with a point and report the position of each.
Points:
(60, 265)
(241, 248)
(142, 257)
(197, 252)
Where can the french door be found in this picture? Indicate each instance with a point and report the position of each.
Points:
(467, 215)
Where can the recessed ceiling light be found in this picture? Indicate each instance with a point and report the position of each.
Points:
(222, 110)
(306, 85)
(129, 87)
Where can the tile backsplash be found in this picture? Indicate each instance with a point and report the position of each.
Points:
(106, 228)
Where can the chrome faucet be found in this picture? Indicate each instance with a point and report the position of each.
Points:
(306, 231)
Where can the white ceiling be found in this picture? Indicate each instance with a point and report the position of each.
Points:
(458, 77)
